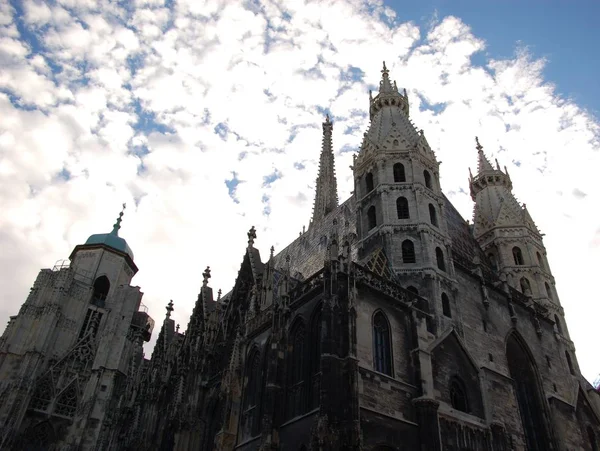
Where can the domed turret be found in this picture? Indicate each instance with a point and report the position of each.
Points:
(112, 239)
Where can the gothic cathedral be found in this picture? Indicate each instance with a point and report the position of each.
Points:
(391, 323)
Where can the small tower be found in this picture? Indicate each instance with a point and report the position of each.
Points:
(509, 237)
(326, 196)
(400, 207)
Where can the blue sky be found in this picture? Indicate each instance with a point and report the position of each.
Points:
(205, 118)
(565, 33)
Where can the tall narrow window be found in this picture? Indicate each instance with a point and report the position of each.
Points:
(525, 286)
(399, 175)
(433, 215)
(548, 290)
(518, 256)
(382, 352)
(439, 256)
(371, 217)
(569, 363)
(101, 288)
(540, 260)
(557, 324)
(446, 306)
(250, 414)
(529, 394)
(402, 208)
(408, 252)
(458, 395)
(369, 182)
(493, 261)
(296, 370)
(427, 177)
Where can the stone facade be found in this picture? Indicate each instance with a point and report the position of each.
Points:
(391, 323)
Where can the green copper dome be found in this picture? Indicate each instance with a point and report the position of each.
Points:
(112, 239)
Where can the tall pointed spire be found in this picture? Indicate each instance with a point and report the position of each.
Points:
(483, 164)
(385, 85)
(326, 197)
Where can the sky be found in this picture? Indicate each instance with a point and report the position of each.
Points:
(205, 118)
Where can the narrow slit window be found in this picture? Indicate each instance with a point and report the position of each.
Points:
(446, 306)
(433, 215)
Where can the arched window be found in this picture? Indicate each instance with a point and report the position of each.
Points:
(446, 306)
(439, 256)
(250, 418)
(529, 394)
(408, 252)
(371, 217)
(369, 182)
(493, 261)
(382, 349)
(101, 288)
(66, 403)
(316, 338)
(402, 208)
(427, 177)
(458, 395)
(592, 438)
(548, 290)
(433, 215)
(540, 260)
(569, 363)
(557, 323)
(525, 286)
(399, 175)
(518, 256)
(296, 372)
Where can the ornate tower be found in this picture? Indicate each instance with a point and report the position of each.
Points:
(326, 197)
(66, 357)
(400, 208)
(510, 239)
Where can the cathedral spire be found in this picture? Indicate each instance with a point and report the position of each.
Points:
(384, 85)
(326, 197)
(483, 164)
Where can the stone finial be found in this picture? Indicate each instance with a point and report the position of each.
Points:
(177, 328)
(117, 225)
(327, 121)
(206, 275)
(251, 236)
(219, 295)
(385, 69)
(272, 252)
(169, 308)
(478, 146)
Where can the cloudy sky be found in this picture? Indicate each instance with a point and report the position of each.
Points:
(205, 118)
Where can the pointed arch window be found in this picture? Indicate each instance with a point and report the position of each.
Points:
(382, 352)
(570, 363)
(66, 403)
(518, 256)
(446, 306)
(399, 175)
(525, 286)
(369, 182)
(458, 395)
(408, 252)
(371, 217)
(557, 323)
(402, 208)
(101, 288)
(427, 177)
(439, 257)
(296, 373)
(548, 290)
(433, 215)
(252, 396)
(540, 260)
(529, 394)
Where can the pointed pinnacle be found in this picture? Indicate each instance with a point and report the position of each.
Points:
(206, 275)
(169, 308)
(479, 147)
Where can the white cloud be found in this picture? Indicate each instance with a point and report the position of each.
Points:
(260, 77)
